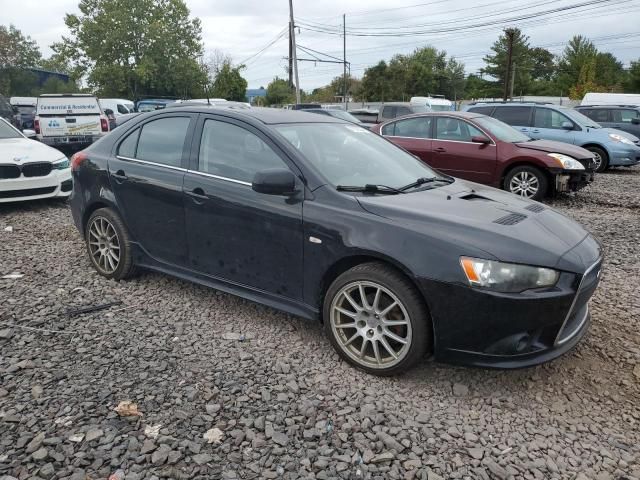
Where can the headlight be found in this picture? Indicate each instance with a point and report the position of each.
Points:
(60, 164)
(567, 162)
(619, 138)
(506, 277)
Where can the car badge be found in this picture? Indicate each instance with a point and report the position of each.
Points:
(19, 159)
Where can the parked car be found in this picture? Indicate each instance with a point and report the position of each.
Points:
(29, 169)
(601, 98)
(553, 122)
(9, 113)
(119, 106)
(332, 112)
(485, 150)
(435, 103)
(329, 221)
(620, 117)
(151, 104)
(25, 108)
(393, 110)
(69, 120)
(365, 115)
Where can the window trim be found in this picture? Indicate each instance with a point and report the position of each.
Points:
(220, 177)
(136, 131)
(395, 124)
(435, 131)
(147, 162)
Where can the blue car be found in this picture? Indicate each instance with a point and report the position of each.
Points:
(610, 147)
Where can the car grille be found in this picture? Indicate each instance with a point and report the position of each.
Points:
(580, 307)
(29, 192)
(510, 219)
(9, 171)
(40, 169)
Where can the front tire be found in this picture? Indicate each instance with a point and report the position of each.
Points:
(528, 182)
(601, 158)
(108, 245)
(376, 319)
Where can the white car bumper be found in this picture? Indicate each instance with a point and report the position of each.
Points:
(58, 184)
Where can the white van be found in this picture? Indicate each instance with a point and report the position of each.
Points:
(593, 98)
(69, 119)
(119, 106)
(436, 103)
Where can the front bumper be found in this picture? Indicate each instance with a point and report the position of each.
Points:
(573, 180)
(57, 184)
(624, 155)
(487, 329)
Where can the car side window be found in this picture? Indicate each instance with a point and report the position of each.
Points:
(127, 147)
(597, 114)
(482, 110)
(122, 109)
(419, 127)
(389, 130)
(514, 116)
(389, 112)
(454, 129)
(400, 111)
(233, 152)
(547, 118)
(624, 116)
(162, 141)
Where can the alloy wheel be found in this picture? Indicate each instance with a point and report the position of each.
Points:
(597, 158)
(525, 184)
(371, 324)
(104, 245)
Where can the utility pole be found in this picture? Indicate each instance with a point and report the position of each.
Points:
(290, 58)
(510, 35)
(293, 48)
(513, 79)
(344, 57)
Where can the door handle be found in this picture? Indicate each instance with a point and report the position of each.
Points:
(535, 131)
(120, 176)
(439, 150)
(197, 194)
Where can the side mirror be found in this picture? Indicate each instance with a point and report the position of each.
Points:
(480, 139)
(567, 125)
(635, 121)
(274, 181)
(29, 133)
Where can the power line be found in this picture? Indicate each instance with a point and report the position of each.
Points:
(266, 47)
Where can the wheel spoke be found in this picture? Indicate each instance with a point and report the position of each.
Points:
(352, 302)
(350, 341)
(376, 352)
(363, 297)
(393, 336)
(363, 347)
(346, 312)
(388, 348)
(384, 312)
(376, 300)
(346, 325)
(394, 323)
(110, 260)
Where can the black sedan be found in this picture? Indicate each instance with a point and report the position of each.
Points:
(329, 221)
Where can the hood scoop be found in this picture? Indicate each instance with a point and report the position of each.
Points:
(475, 198)
(511, 219)
(535, 208)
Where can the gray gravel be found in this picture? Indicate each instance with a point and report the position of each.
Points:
(229, 389)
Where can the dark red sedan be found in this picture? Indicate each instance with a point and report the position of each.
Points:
(483, 149)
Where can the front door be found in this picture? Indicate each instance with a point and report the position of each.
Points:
(627, 120)
(455, 154)
(550, 124)
(235, 233)
(146, 177)
(412, 134)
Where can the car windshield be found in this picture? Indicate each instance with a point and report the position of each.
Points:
(580, 118)
(419, 109)
(354, 156)
(7, 131)
(501, 130)
(341, 114)
(27, 110)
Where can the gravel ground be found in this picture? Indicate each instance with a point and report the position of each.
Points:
(229, 389)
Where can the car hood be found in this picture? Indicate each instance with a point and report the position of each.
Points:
(26, 151)
(556, 147)
(474, 217)
(622, 133)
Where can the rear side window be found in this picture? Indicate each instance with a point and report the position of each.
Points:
(454, 129)
(596, 114)
(233, 152)
(515, 116)
(547, 118)
(127, 147)
(624, 116)
(389, 130)
(389, 112)
(414, 127)
(162, 141)
(400, 111)
(122, 109)
(482, 110)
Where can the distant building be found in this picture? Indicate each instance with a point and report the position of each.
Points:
(44, 75)
(253, 93)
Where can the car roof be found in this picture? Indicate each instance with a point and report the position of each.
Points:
(608, 106)
(452, 113)
(268, 116)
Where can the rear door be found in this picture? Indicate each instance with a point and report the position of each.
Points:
(548, 125)
(455, 154)
(412, 134)
(146, 177)
(519, 117)
(627, 120)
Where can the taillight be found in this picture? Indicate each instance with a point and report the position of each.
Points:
(36, 125)
(104, 123)
(77, 160)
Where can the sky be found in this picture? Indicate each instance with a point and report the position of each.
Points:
(242, 28)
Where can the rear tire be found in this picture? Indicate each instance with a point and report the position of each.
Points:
(109, 245)
(386, 333)
(601, 158)
(527, 181)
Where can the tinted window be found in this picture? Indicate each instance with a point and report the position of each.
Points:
(233, 152)
(597, 114)
(389, 130)
(402, 111)
(122, 109)
(128, 146)
(482, 110)
(414, 127)
(162, 141)
(448, 128)
(518, 116)
(547, 118)
(624, 116)
(389, 112)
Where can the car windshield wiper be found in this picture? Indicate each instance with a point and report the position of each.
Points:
(368, 188)
(423, 180)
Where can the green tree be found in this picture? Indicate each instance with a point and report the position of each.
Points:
(135, 47)
(17, 52)
(279, 92)
(632, 81)
(497, 62)
(577, 53)
(229, 83)
(476, 87)
(609, 71)
(586, 81)
(375, 84)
